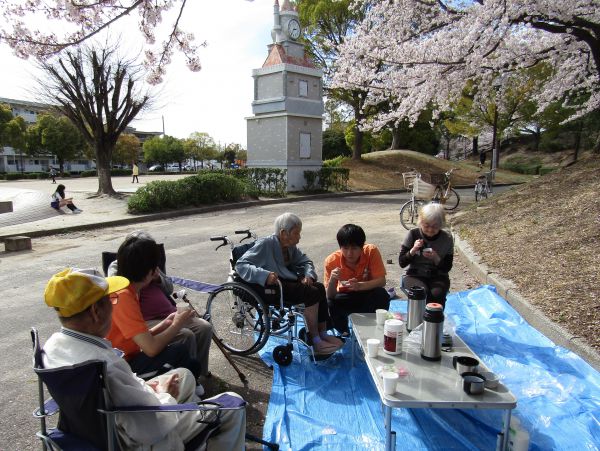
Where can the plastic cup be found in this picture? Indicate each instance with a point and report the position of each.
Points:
(381, 316)
(390, 380)
(372, 347)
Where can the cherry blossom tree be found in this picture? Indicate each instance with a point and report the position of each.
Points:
(420, 53)
(68, 23)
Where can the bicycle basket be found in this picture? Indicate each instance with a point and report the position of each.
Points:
(409, 178)
(423, 190)
(435, 179)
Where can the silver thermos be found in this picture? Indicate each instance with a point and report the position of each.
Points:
(433, 326)
(416, 306)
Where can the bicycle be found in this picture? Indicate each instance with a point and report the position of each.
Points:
(444, 193)
(483, 185)
(422, 193)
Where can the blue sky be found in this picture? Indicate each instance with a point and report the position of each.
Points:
(215, 100)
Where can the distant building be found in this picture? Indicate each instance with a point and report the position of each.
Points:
(12, 160)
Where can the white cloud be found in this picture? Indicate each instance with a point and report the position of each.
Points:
(215, 100)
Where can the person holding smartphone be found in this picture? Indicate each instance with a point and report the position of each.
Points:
(427, 253)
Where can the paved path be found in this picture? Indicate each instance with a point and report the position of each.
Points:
(31, 203)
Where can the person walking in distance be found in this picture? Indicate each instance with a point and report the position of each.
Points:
(135, 171)
(53, 174)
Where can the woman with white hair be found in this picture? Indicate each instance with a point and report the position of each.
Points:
(427, 254)
(276, 257)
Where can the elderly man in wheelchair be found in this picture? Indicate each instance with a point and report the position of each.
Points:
(276, 258)
(83, 301)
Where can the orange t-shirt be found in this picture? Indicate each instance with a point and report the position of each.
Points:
(370, 266)
(127, 322)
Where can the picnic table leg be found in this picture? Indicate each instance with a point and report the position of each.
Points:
(507, 415)
(387, 411)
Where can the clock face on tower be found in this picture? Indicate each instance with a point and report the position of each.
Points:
(294, 29)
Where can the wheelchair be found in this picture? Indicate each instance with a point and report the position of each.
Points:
(245, 315)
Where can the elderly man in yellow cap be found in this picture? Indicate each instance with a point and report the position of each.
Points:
(82, 299)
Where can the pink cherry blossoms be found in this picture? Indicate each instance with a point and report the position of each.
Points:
(68, 23)
(418, 53)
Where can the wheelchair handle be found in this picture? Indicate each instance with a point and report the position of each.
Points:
(246, 232)
(224, 241)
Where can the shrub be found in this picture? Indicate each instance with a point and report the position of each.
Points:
(522, 168)
(13, 176)
(200, 189)
(42, 175)
(334, 162)
(90, 173)
(548, 169)
(326, 178)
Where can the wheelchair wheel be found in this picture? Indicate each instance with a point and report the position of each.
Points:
(239, 318)
(280, 321)
(282, 355)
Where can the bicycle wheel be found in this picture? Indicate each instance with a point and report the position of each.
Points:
(452, 200)
(239, 318)
(409, 213)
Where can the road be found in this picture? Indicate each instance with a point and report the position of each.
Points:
(191, 255)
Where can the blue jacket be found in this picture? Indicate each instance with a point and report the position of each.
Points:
(266, 257)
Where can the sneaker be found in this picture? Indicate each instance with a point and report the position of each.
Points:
(77, 211)
(199, 391)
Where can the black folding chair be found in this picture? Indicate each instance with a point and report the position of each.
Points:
(86, 415)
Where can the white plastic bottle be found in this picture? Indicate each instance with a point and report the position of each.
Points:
(518, 437)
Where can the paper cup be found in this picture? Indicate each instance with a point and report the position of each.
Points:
(381, 316)
(372, 347)
(389, 382)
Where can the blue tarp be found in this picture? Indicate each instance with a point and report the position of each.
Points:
(332, 405)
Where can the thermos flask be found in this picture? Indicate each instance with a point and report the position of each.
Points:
(416, 306)
(433, 325)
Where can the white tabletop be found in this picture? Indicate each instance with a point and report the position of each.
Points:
(428, 384)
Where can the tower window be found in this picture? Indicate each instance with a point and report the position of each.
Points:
(303, 88)
(304, 145)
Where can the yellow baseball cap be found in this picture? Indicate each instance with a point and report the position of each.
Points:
(73, 290)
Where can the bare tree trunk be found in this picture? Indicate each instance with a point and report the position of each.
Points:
(577, 141)
(476, 145)
(103, 168)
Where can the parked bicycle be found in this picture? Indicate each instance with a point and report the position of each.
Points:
(423, 192)
(483, 185)
(444, 193)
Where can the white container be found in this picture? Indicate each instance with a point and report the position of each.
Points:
(392, 336)
(372, 347)
(390, 380)
(518, 437)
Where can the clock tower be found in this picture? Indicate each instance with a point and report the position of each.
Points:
(285, 130)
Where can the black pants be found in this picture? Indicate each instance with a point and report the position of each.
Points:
(175, 355)
(356, 302)
(436, 287)
(297, 293)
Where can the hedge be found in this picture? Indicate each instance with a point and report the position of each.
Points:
(195, 190)
(326, 178)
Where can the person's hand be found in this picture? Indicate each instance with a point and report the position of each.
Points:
(272, 279)
(352, 284)
(181, 316)
(168, 385)
(335, 273)
(417, 247)
(431, 254)
(307, 281)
